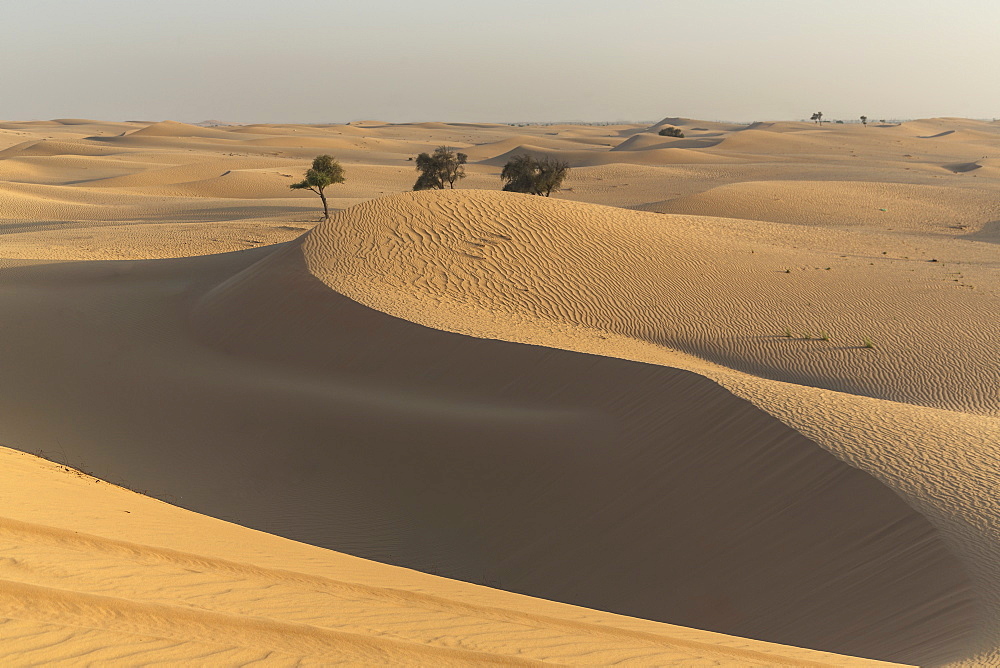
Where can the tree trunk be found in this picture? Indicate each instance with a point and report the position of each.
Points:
(326, 209)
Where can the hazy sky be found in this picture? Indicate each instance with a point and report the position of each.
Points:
(498, 60)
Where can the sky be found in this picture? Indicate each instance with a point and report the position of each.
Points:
(317, 61)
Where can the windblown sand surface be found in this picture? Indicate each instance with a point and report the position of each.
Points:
(649, 395)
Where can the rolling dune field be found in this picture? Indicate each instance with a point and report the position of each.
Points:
(731, 399)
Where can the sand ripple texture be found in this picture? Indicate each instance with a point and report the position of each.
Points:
(727, 293)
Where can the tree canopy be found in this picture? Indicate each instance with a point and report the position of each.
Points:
(325, 172)
(444, 166)
(525, 174)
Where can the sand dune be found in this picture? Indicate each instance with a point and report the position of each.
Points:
(309, 605)
(892, 206)
(712, 316)
(359, 400)
(645, 142)
(693, 125)
(175, 129)
(668, 414)
(577, 158)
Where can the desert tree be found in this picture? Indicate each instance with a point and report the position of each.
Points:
(518, 174)
(551, 174)
(864, 121)
(525, 174)
(671, 132)
(817, 117)
(444, 166)
(325, 171)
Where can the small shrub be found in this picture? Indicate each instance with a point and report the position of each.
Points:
(671, 132)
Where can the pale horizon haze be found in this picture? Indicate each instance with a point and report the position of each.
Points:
(319, 62)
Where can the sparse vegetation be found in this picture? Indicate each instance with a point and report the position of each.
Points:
(444, 166)
(864, 121)
(325, 172)
(525, 174)
(671, 132)
(817, 117)
(867, 343)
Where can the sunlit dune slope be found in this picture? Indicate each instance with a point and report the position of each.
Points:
(680, 282)
(586, 158)
(894, 206)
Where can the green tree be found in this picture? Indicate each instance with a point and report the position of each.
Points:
(818, 117)
(325, 172)
(671, 132)
(524, 174)
(444, 166)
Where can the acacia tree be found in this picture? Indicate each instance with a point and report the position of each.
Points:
(818, 117)
(325, 172)
(864, 121)
(524, 174)
(445, 166)
(518, 174)
(551, 174)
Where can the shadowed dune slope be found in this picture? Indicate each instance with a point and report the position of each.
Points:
(530, 468)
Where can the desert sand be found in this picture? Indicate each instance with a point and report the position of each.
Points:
(726, 399)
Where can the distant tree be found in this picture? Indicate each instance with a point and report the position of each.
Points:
(670, 132)
(864, 121)
(444, 166)
(525, 174)
(325, 172)
(818, 117)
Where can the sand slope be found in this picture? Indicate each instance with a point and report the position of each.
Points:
(133, 580)
(884, 206)
(669, 415)
(400, 402)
